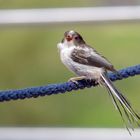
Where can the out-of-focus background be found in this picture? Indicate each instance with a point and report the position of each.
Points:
(29, 57)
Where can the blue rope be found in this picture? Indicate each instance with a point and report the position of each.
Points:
(63, 87)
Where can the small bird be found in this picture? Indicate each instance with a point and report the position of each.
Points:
(87, 63)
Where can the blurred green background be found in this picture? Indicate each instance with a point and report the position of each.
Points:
(29, 57)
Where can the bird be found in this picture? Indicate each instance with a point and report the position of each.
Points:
(84, 61)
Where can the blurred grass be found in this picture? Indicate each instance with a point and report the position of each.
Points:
(29, 57)
(46, 3)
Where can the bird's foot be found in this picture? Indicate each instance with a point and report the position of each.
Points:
(76, 79)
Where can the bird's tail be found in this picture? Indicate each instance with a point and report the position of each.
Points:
(128, 114)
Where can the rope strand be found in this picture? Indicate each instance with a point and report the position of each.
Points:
(63, 87)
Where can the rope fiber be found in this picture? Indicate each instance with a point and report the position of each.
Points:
(50, 89)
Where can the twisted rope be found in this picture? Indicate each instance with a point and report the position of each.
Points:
(63, 87)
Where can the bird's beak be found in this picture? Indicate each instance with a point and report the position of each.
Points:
(69, 38)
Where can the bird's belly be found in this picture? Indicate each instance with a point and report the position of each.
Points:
(90, 72)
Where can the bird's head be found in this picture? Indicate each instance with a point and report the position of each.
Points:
(74, 38)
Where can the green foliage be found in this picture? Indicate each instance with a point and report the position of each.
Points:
(29, 57)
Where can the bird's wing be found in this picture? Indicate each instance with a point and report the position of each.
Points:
(88, 56)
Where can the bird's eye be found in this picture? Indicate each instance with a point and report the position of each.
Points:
(76, 37)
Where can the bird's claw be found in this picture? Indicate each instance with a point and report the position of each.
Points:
(76, 79)
(73, 80)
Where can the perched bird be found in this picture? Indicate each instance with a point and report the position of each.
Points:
(87, 63)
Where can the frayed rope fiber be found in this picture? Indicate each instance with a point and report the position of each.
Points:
(50, 89)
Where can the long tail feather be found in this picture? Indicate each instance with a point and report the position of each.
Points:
(126, 111)
(121, 114)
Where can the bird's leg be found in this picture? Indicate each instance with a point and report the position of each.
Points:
(75, 79)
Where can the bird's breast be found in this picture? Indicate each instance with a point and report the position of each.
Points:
(65, 55)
